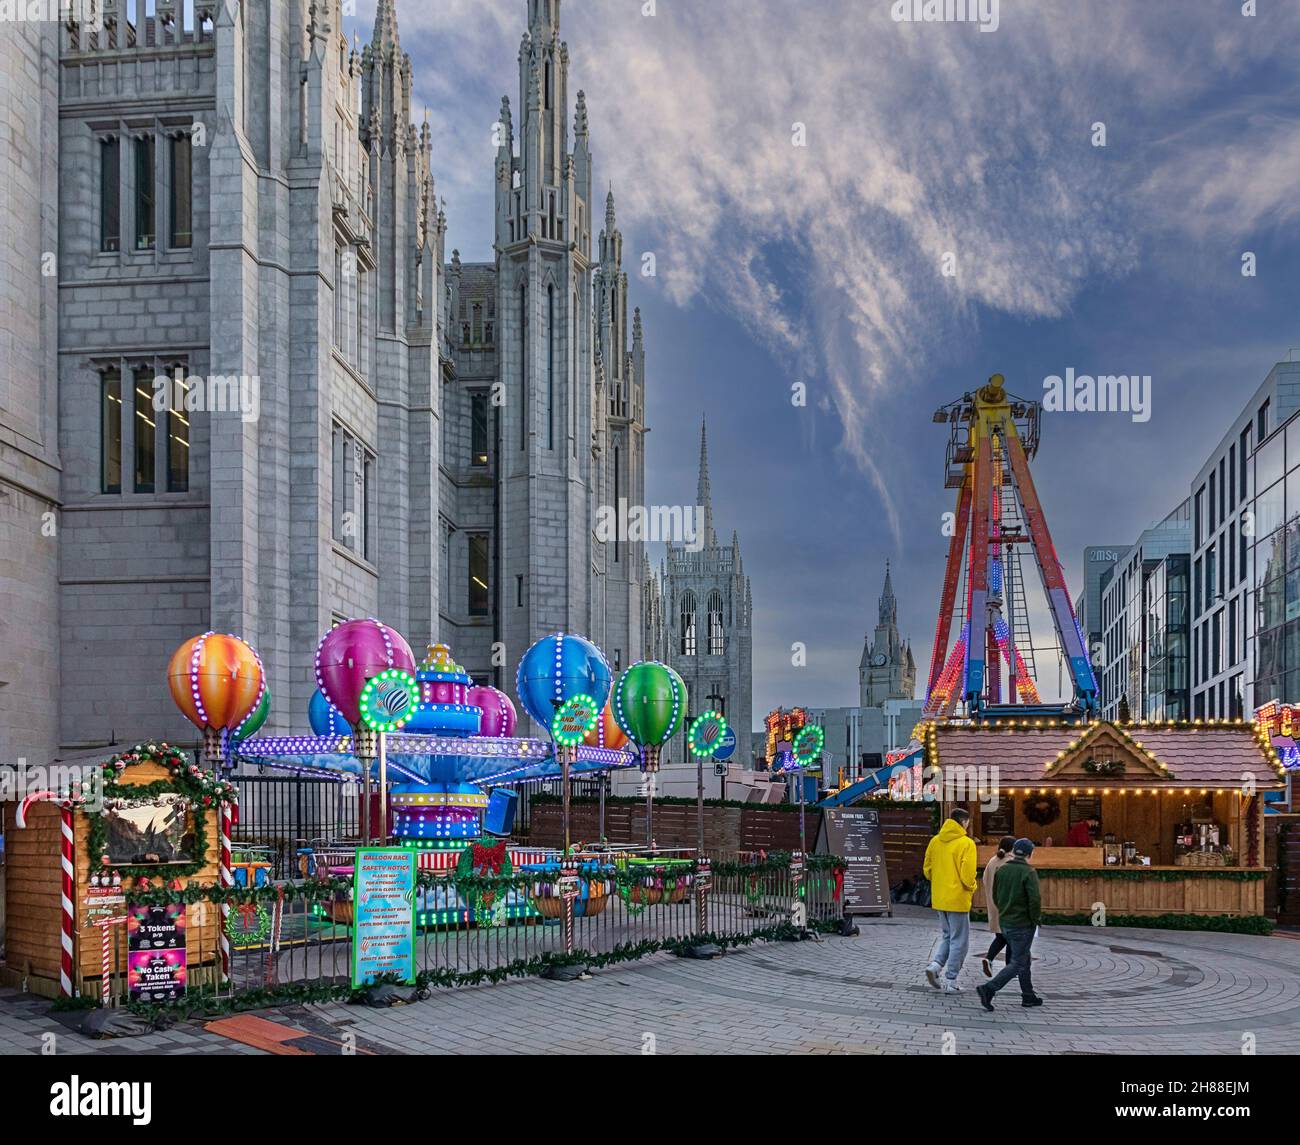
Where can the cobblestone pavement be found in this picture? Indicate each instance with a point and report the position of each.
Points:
(1120, 991)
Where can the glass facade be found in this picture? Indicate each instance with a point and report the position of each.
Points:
(1275, 567)
(1168, 640)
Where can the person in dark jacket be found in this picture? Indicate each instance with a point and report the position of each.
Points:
(999, 942)
(1019, 909)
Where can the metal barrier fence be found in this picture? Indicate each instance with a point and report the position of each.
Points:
(292, 942)
(285, 813)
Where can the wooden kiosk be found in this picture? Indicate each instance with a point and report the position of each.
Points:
(66, 914)
(1176, 809)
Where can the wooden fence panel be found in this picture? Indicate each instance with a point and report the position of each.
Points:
(1282, 857)
(728, 829)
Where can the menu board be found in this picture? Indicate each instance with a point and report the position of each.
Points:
(383, 899)
(999, 822)
(1084, 807)
(155, 941)
(853, 833)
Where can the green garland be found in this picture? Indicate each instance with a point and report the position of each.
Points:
(1141, 874)
(331, 889)
(313, 891)
(297, 993)
(204, 789)
(1220, 923)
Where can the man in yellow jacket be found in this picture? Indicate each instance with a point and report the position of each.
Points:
(950, 867)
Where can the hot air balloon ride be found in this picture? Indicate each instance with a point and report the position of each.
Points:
(217, 683)
(449, 744)
(563, 682)
(649, 705)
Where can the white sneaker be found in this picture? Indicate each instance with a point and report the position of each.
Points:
(932, 975)
(950, 987)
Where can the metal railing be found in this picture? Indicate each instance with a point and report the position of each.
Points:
(292, 941)
(287, 813)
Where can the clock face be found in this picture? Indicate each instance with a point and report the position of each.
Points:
(879, 660)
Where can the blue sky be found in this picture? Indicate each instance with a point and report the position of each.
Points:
(821, 264)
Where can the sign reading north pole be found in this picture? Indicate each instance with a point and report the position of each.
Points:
(573, 719)
(705, 736)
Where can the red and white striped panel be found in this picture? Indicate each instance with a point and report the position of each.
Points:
(446, 860)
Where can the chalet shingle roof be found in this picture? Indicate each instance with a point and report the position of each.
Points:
(1204, 756)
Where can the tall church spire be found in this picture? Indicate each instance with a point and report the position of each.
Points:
(888, 606)
(703, 495)
(385, 34)
(543, 17)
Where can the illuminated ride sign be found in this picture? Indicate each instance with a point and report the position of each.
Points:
(389, 700)
(1281, 723)
(573, 720)
(707, 731)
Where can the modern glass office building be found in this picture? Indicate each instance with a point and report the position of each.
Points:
(1274, 646)
(1144, 621)
(1167, 665)
(1239, 508)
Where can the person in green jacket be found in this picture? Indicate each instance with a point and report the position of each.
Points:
(950, 867)
(1019, 905)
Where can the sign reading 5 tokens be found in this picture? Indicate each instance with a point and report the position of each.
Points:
(156, 952)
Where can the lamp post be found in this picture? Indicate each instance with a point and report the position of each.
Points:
(719, 705)
(702, 739)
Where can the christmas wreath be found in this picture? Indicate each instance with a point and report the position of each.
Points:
(481, 858)
(1103, 766)
(1042, 809)
(249, 924)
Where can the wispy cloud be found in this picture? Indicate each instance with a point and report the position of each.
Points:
(924, 142)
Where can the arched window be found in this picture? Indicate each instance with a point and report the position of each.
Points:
(688, 624)
(715, 623)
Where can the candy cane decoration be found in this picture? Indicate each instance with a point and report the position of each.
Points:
(227, 880)
(66, 852)
(277, 920)
(20, 817)
(68, 872)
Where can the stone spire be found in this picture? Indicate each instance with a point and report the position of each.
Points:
(580, 128)
(703, 494)
(386, 27)
(544, 18)
(888, 606)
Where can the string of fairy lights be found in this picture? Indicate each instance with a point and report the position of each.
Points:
(1165, 780)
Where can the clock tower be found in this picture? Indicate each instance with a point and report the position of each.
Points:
(886, 670)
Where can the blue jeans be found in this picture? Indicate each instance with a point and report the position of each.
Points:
(953, 943)
(1020, 939)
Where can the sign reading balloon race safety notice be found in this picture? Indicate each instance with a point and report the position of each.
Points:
(383, 898)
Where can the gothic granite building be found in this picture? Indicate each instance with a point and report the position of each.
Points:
(699, 614)
(242, 389)
(887, 711)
